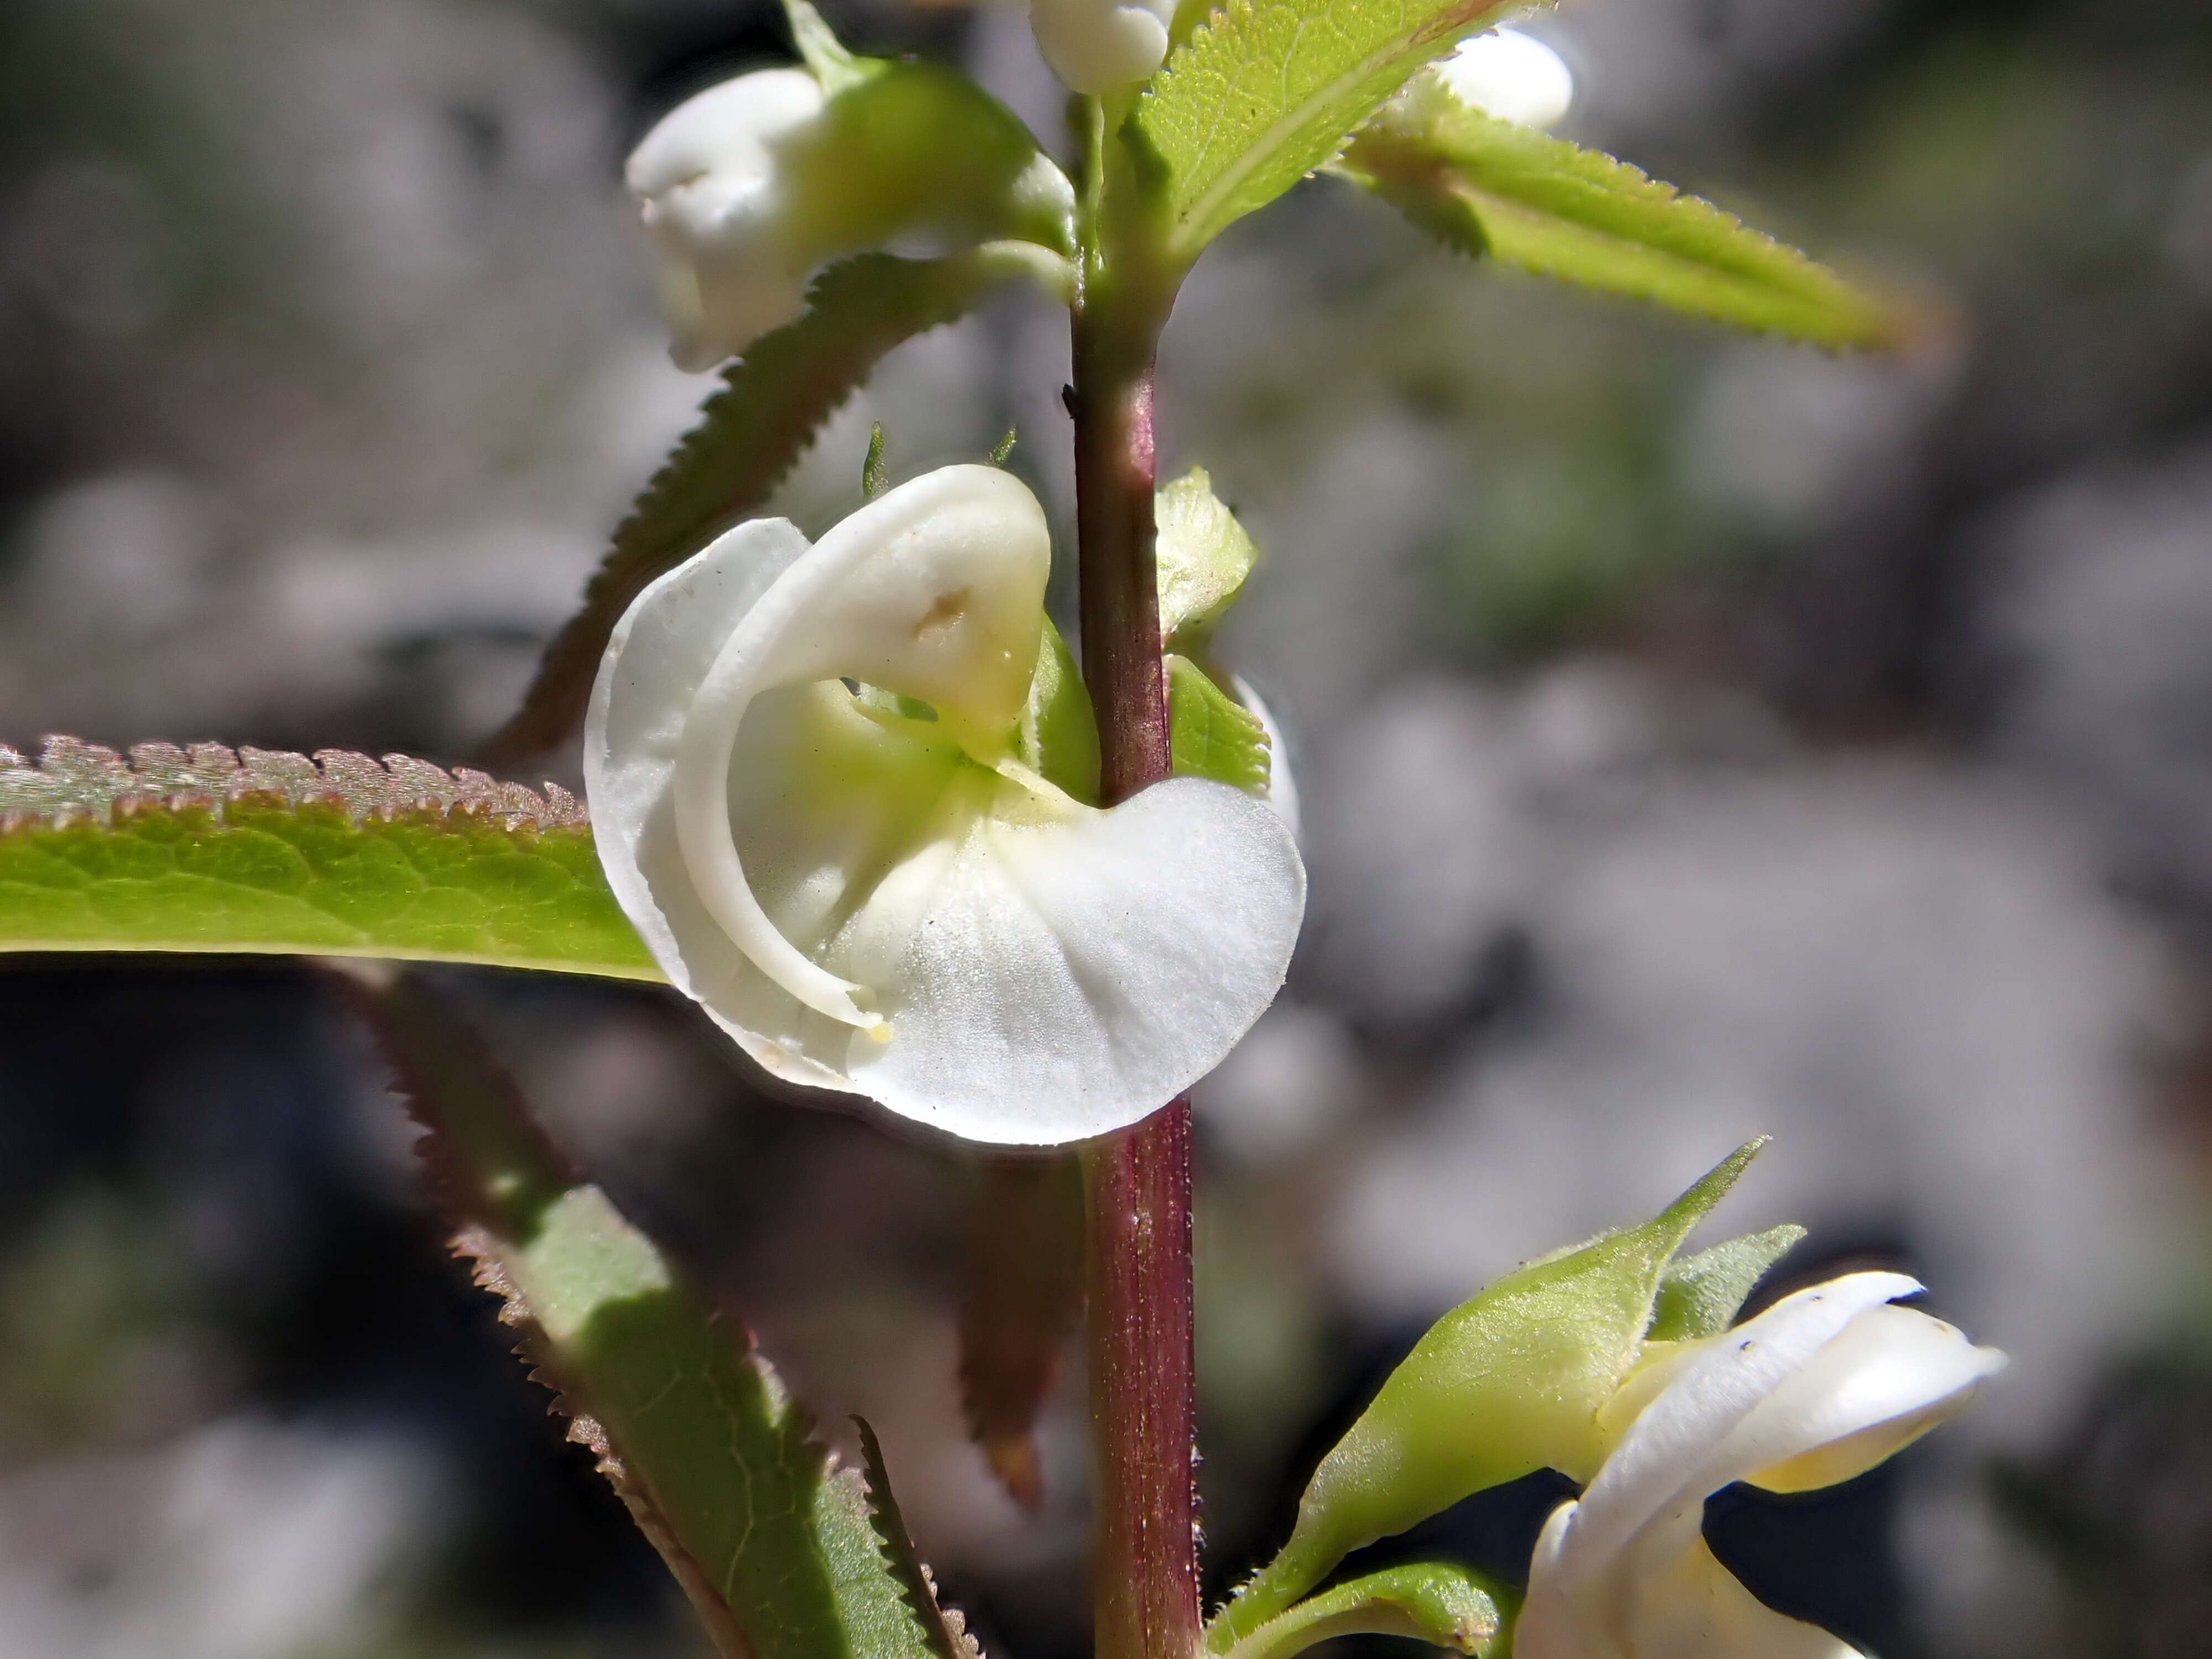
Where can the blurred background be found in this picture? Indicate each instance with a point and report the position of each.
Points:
(1698, 736)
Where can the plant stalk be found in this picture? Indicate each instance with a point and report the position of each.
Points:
(1137, 1184)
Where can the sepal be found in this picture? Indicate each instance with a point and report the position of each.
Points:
(1703, 1293)
(1506, 1383)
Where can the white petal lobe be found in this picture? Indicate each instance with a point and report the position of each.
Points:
(868, 894)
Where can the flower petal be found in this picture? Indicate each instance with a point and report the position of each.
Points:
(1687, 1606)
(934, 591)
(1888, 1378)
(1047, 971)
(1693, 1608)
(1070, 978)
(1678, 1450)
(706, 180)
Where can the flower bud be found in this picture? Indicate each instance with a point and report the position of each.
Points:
(1510, 75)
(1096, 45)
(748, 187)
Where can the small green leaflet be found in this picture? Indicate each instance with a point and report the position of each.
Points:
(1266, 91)
(771, 1540)
(1204, 557)
(205, 849)
(1541, 204)
(772, 402)
(1210, 734)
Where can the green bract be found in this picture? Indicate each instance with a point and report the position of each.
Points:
(1507, 1383)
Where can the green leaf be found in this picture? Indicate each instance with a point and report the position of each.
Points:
(1526, 199)
(773, 401)
(1266, 91)
(1438, 1602)
(770, 1539)
(1210, 734)
(1504, 1384)
(1703, 1293)
(256, 851)
(944, 1630)
(1203, 556)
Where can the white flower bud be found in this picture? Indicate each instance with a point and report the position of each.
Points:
(1511, 76)
(716, 204)
(750, 188)
(1096, 45)
(878, 897)
(1819, 1388)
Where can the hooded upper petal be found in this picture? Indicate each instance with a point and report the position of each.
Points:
(882, 901)
(1817, 1389)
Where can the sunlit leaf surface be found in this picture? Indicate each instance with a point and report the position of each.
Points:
(1266, 91)
(205, 849)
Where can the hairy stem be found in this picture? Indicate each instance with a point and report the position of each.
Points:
(1137, 1184)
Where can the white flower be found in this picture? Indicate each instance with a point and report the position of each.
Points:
(1511, 76)
(1096, 45)
(1821, 1387)
(876, 897)
(733, 259)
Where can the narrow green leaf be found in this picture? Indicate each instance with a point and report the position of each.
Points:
(1003, 447)
(1506, 1383)
(1204, 557)
(1703, 1293)
(945, 1630)
(206, 849)
(1438, 1602)
(770, 1539)
(1539, 203)
(1266, 91)
(773, 401)
(1210, 734)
